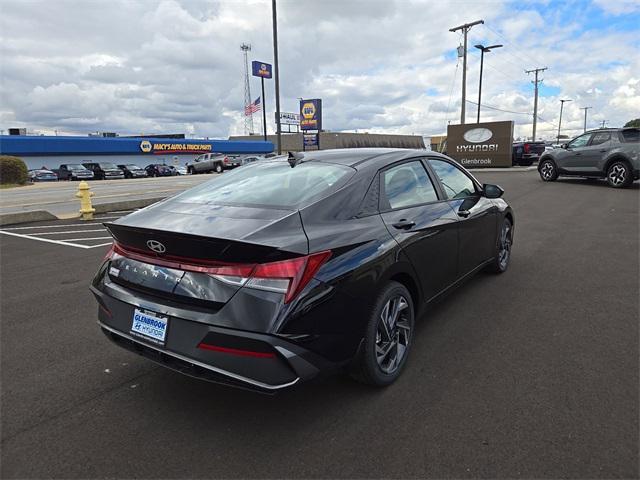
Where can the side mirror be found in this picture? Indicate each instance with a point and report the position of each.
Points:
(565, 146)
(492, 191)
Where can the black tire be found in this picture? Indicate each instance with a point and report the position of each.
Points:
(371, 365)
(548, 170)
(504, 242)
(218, 168)
(619, 174)
(191, 170)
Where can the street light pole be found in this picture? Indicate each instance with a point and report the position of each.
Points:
(560, 121)
(483, 49)
(277, 72)
(465, 29)
(585, 116)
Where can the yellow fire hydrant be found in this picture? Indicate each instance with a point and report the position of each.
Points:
(84, 194)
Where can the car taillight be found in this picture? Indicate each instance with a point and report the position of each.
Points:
(527, 148)
(226, 160)
(109, 253)
(287, 276)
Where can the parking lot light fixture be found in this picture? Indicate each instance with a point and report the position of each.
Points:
(560, 121)
(483, 50)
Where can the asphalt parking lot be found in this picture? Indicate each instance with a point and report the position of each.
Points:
(534, 373)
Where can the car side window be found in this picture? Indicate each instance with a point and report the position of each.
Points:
(455, 182)
(580, 141)
(405, 185)
(600, 137)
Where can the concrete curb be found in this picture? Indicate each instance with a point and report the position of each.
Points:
(42, 215)
(25, 217)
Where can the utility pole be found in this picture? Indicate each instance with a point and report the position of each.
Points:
(604, 123)
(535, 97)
(465, 29)
(277, 72)
(560, 122)
(585, 116)
(248, 119)
(483, 50)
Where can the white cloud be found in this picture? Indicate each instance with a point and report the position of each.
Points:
(379, 65)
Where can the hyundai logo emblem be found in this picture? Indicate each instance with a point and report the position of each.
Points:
(156, 246)
(478, 135)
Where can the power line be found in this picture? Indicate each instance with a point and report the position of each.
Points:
(484, 105)
(453, 82)
(527, 58)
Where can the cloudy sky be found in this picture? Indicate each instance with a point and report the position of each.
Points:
(153, 66)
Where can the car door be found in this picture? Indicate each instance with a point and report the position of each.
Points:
(477, 214)
(594, 152)
(422, 223)
(574, 158)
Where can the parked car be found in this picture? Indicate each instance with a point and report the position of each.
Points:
(212, 162)
(250, 159)
(158, 170)
(178, 170)
(525, 153)
(133, 171)
(289, 267)
(73, 171)
(104, 170)
(611, 153)
(42, 175)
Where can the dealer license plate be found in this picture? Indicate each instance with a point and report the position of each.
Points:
(150, 326)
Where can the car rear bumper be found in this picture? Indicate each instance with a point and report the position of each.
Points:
(256, 361)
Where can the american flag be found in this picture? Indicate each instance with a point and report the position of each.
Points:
(253, 107)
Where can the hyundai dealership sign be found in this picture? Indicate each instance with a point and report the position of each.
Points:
(486, 144)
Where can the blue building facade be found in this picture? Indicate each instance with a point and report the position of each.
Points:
(39, 151)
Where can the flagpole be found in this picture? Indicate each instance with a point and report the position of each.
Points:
(264, 112)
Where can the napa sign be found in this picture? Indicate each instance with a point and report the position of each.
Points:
(147, 146)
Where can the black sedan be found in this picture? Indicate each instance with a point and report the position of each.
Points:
(158, 170)
(42, 175)
(295, 266)
(133, 171)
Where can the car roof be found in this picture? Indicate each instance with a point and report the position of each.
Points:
(362, 158)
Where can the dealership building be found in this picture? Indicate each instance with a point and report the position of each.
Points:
(52, 151)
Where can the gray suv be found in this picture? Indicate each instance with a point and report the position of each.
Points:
(612, 153)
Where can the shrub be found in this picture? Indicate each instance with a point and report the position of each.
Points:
(12, 170)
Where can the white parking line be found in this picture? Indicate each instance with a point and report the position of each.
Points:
(58, 242)
(72, 231)
(77, 239)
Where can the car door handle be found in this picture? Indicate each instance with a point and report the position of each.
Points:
(578, 154)
(464, 213)
(603, 150)
(404, 224)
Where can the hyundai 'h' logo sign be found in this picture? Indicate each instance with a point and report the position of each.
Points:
(156, 246)
(478, 135)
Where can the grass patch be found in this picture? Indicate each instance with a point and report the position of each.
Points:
(12, 185)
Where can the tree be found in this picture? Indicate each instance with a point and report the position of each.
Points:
(633, 123)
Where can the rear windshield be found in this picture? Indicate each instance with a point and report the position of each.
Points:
(271, 184)
(630, 135)
(108, 166)
(76, 166)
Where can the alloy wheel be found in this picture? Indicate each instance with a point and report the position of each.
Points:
(617, 175)
(547, 170)
(505, 245)
(393, 334)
